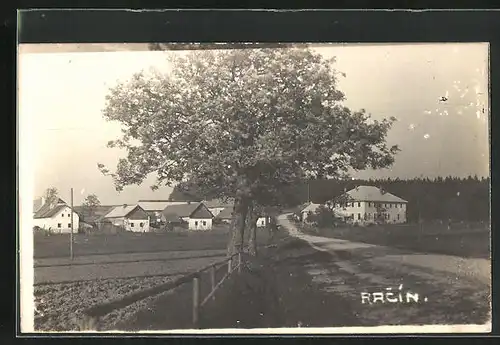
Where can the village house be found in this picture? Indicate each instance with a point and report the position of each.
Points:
(129, 217)
(195, 214)
(304, 211)
(368, 205)
(155, 207)
(94, 215)
(217, 205)
(307, 210)
(55, 216)
(226, 215)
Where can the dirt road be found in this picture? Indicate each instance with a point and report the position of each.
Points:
(360, 269)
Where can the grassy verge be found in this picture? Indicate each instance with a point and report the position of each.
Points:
(463, 242)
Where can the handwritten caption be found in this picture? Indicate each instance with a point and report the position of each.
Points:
(390, 296)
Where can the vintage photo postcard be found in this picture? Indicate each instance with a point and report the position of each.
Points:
(254, 188)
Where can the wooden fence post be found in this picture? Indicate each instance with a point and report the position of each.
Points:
(196, 301)
(229, 265)
(239, 262)
(212, 278)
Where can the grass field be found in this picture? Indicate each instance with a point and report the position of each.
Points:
(54, 246)
(464, 240)
(59, 304)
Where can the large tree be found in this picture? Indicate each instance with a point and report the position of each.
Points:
(51, 194)
(243, 123)
(90, 203)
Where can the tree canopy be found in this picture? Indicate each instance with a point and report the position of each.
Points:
(51, 194)
(243, 123)
(91, 202)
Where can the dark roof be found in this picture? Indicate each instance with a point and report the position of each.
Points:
(100, 210)
(49, 212)
(183, 210)
(172, 218)
(45, 210)
(122, 211)
(202, 212)
(226, 213)
(216, 203)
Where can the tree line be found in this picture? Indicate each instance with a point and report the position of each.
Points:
(459, 199)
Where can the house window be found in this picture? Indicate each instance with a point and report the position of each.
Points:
(141, 225)
(59, 225)
(359, 216)
(359, 204)
(69, 225)
(390, 205)
(204, 223)
(365, 216)
(196, 223)
(398, 216)
(131, 225)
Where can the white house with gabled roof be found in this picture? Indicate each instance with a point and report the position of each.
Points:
(129, 217)
(155, 207)
(370, 205)
(55, 216)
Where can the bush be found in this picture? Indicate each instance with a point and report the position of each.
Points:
(323, 217)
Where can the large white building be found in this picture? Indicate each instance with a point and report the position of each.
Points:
(369, 205)
(55, 216)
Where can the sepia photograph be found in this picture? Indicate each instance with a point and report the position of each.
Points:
(254, 188)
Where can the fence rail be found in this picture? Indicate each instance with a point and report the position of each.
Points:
(91, 316)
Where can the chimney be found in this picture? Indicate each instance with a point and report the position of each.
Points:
(124, 205)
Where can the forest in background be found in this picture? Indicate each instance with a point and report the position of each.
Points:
(458, 199)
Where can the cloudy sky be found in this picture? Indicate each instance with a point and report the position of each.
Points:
(62, 90)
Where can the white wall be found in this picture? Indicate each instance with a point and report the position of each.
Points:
(261, 222)
(200, 224)
(396, 212)
(63, 218)
(133, 225)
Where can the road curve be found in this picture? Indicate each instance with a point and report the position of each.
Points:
(477, 269)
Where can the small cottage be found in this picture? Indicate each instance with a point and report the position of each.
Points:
(306, 210)
(55, 216)
(155, 207)
(196, 215)
(226, 215)
(129, 217)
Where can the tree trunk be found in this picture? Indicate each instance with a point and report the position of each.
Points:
(237, 227)
(251, 222)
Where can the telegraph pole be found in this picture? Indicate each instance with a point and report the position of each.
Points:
(71, 234)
